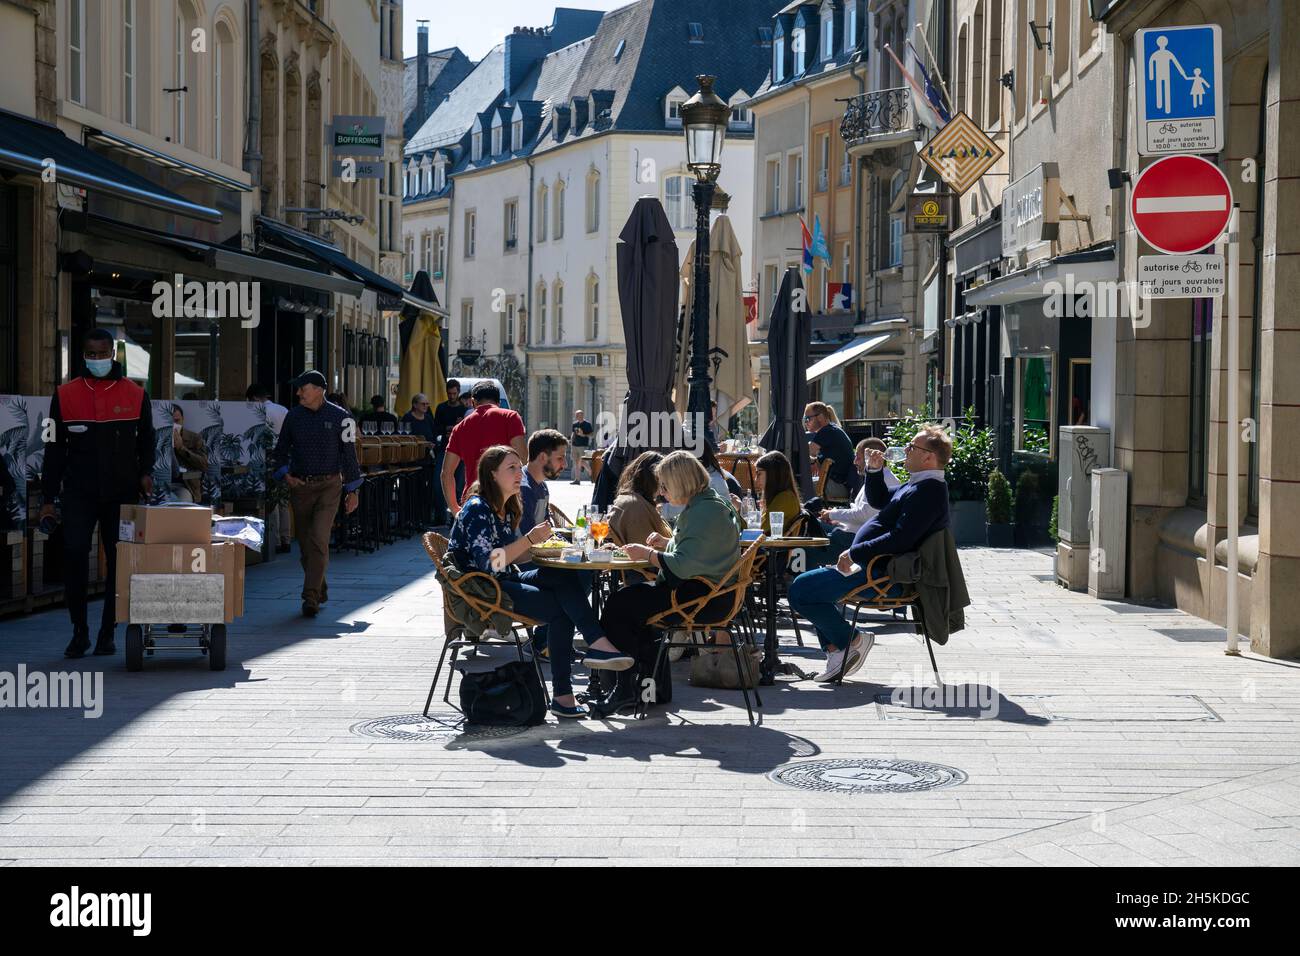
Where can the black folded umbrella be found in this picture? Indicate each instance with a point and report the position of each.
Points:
(788, 331)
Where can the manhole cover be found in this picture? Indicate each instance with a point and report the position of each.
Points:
(867, 775)
(437, 727)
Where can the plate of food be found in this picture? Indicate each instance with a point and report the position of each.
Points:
(550, 548)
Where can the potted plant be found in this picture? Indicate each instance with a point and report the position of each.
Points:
(997, 510)
(967, 473)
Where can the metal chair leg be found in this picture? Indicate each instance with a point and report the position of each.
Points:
(740, 677)
(644, 705)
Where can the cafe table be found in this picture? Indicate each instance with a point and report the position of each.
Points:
(772, 664)
(595, 567)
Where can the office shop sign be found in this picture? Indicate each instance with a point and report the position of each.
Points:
(1031, 210)
(360, 139)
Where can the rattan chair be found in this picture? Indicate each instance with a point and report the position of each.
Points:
(559, 518)
(692, 617)
(874, 594)
(520, 624)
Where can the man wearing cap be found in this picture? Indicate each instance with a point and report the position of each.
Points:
(317, 457)
(101, 458)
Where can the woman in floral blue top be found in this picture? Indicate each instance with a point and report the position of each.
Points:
(489, 520)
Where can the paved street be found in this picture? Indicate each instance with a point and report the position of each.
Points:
(1123, 735)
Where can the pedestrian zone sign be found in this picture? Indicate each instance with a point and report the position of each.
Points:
(960, 153)
(1179, 89)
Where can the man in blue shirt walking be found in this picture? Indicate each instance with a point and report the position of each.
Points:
(907, 516)
(316, 457)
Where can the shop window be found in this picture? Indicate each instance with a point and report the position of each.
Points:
(884, 390)
(1035, 425)
(1080, 391)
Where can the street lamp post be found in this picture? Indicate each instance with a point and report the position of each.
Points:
(704, 120)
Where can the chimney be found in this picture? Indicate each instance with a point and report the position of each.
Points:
(422, 71)
(525, 46)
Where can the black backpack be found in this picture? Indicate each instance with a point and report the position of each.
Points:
(509, 696)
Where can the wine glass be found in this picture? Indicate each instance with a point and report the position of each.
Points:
(599, 526)
(388, 428)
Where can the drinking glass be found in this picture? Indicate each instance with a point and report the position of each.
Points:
(895, 455)
(599, 526)
(754, 520)
(777, 520)
(388, 428)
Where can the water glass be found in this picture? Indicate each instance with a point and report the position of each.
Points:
(754, 520)
(777, 520)
(895, 455)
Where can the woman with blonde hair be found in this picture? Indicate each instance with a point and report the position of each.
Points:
(487, 527)
(704, 544)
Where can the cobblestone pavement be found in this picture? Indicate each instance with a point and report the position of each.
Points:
(1123, 735)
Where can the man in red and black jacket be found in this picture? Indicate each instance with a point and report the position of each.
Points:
(101, 457)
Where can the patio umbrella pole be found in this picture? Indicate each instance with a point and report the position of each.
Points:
(697, 406)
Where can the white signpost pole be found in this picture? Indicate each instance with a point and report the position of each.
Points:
(1234, 428)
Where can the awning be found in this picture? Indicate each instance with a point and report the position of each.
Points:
(391, 295)
(171, 162)
(229, 260)
(26, 144)
(1076, 270)
(855, 349)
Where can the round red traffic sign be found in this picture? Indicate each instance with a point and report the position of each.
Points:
(1181, 204)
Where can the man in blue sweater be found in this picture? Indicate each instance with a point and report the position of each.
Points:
(908, 515)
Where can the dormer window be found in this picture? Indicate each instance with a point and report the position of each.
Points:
(412, 179)
(439, 175)
(740, 115)
(827, 31)
(800, 49)
(850, 25)
(673, 106)
(476, 145)
(778, 60)
(426, 171)
(516, 136)
(695, 32)
(496, 140)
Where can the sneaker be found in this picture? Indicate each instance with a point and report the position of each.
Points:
(834, 664)
(79, 644)
(607, 660)
(858, 651)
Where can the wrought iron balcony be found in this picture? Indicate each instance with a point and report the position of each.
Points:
(879, 118)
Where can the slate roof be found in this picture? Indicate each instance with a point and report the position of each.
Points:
(446, 70)
(475, 94)
(810, 10)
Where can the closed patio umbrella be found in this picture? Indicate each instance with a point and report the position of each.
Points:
(647, 297)
(733, 382)
(787, 347)
(421, 334)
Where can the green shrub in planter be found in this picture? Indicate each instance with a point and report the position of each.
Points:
(997, 509)
(1052, 528)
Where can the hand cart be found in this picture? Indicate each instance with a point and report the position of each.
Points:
(170, 611)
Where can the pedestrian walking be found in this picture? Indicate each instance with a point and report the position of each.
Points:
(486, 425)
(101, 458)
(580, 437)
(316, 457)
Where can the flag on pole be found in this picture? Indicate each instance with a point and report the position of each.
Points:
(807, 246)
(818, 247)
(931, 91)
(924, 108)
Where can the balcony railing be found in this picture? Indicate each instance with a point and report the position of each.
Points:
(879, 116)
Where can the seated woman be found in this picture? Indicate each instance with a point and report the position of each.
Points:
(633, 517)
(705, 544)
(720, 480)
(489, 521)
(775, 480)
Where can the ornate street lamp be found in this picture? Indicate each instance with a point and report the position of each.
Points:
(704, 120)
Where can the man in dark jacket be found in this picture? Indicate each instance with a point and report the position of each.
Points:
(100, 458)
(906, 517)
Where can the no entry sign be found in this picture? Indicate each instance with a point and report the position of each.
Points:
(1181, 204)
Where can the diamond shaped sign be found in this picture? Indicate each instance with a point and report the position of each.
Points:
(960, 153)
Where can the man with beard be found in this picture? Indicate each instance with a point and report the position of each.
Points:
(547, 454)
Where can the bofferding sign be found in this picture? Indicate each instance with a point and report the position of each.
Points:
(1031, 209)
(357, 136)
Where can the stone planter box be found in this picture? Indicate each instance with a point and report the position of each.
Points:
(1000, 535)
(967, 522)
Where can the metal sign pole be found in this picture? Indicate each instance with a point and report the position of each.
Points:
(1234, 426)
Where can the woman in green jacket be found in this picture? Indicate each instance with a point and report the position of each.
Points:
(705, 545)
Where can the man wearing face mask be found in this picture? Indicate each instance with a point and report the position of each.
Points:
(101, 457)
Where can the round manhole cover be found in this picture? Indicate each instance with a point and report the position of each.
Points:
(867, 775)
(436, 727)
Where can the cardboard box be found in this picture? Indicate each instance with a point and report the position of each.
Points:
(179, 524)
(225, 558)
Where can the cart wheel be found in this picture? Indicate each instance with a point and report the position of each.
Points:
(134, 647)
(217, 648)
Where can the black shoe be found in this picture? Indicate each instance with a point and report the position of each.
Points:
(283, 549)
(104, 645)
(309, 610)
(623, 694)
(79, 644)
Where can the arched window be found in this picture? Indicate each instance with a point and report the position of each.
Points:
(539, 323)
(593, 200)
(558, 229)
(225, 93)
(130, 45)
(557, 326)
(541, 207)
(593, 308)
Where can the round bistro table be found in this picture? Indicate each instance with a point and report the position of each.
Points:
(772, 664)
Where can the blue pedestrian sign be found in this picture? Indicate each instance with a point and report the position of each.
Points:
(1179, 89)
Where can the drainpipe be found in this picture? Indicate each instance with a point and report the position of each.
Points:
(528, 289)
(857, 204)
(253, 124)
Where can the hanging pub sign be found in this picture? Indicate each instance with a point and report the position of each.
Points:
(929, 212)
(357, 136)
(960, 153)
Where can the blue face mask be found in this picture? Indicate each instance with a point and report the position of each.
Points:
(99, 367)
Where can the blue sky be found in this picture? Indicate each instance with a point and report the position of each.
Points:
(478, 25)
